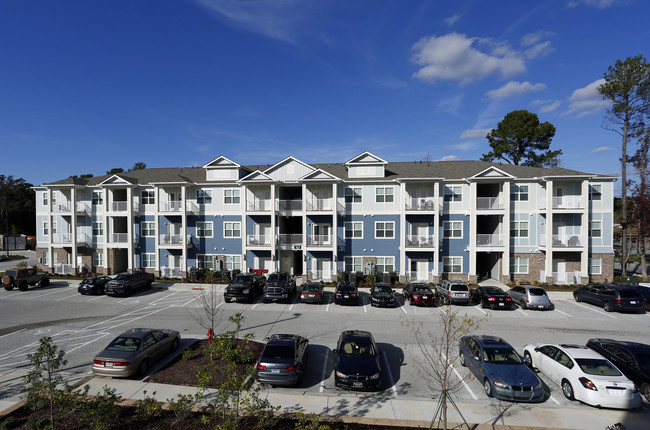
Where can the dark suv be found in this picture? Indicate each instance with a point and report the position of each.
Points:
(283, 360)
(611, 297)
(244, 286)
(128, 282)
(279, 286)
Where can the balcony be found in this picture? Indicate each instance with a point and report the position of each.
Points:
(171, 206)
(288, 241)
(566, 203)
(171, 272)
(259, 206)
(320, 275)
(320, 205)
(192, 207)
(489, 240)
(426, 204)
(62, 238)
(319, 240)
(562, 278)
(119, 206)
(61, 207)
(287, 207)
(63, 269)
(83, 208)
(258, 240)
(121, 239)
(563, 240)
(419, 241)
(419, 276)
(489, 203)
(167, 240)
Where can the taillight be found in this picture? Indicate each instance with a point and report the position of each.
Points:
(449, 293)
(491, 299)
(617, 300)
(636, 389)
(587, 384)
(303, 294)
(338, 295)
(261, 367)
(111, 362)
(291, 368)
(318, 294)
(508, 299)
(527, 301)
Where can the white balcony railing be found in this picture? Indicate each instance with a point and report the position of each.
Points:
(62, 269)
(62, 238)
(258, 240)
(567, 202)
(170, 239)
(419, 276)
(289, 205)
(120, 206)
(319, 240)
(61, 207)
(118, 238)
(171, 206)
(171, 272)
(420, 204)
(316, 205)
(290, 239)
(420, 241)
(192, 207)
(320, 275)
(563, 241)
(83, 207)
(260, 206)
(489, 240)
(489, 203)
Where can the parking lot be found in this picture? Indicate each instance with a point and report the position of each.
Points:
(83, 325)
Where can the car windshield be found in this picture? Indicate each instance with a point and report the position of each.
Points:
(537, 292)
(274, 278)
(459, 287)
(501, 355)
(312, 288)
(494, 290)
(381, 289)
(242, 279)
(122, 343)
(597, 366)
(422, 290)
(278, 351)
(11, 273)
(123, 276)
(345, 289)
(357, 348)
(630, 293)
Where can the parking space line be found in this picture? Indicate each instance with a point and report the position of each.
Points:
(322, 379)
(164, 298)
(403, 310)
(42, 295)
(363, 300)
(563, 313)
(67, 297)
(390, 373)
(553, 398)
(519, 310)
(17, 331)
(592, 310)
(479, 309)
(95, 298)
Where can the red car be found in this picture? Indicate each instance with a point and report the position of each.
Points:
(419, 293)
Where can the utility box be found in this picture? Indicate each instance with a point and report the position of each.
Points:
(13, 242)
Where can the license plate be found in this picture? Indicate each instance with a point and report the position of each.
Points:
(108, 364)
(275, 370)
(540, 306)
(425, 297)
(310, 295)
(616, 392)
(633, 302)
(501, 304)
(357, 385)
(346, 297)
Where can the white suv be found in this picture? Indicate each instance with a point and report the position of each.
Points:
(453, 292)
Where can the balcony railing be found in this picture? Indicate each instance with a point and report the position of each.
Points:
(192, 207)
(419, 276)
(319, 205)
(122, 238)
(563, 241)
(171, 206)
(320, 275)
(259, 206)
(170, 239)
(420, 204)
(61, 207)
(319, 240)
(63, 269)
(567, 202)
(489, 240)
(289, 205)
(258, 240)
(119, 206)
(83, 207)
(62, 238)
(171, 272)
(562, 278)
(290, 239)
(489, 203)
(420, 241)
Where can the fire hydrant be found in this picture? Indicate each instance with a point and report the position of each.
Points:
(209, 335)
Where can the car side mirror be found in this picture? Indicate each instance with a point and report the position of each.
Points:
(537, 349)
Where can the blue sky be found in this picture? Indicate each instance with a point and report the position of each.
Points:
(86, 86)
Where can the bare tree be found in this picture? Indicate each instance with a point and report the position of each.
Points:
(437, 345)
(208, 314)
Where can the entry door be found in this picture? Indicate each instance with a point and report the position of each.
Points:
(321, 234)
(286, 263)
(559, 268)
(323, 268)
(421, 269)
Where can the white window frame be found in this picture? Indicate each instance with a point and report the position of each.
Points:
(593, 265)
(232, 262)
(204, 196)
(595, 190)
(599, 229)
(352, 229)
(384, 264)
(452, 229)
(45, 198)
(202, 227)
(148, 197)
(384, 195)
(46, 258)
(517, 194)
(231, 196)
(452, 261)
(353, 264)
(205, 260)
(97, 228)
(148, 259)
(353, 195)
(97, 198)
(384, 229)
(98, 259)
(46, 228)
(148, 229)
(516, 229)
(519, 265)
(230, 228)
(453, 193)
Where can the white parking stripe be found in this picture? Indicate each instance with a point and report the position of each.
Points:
(67, 297)
(465, 384)
(479, 308)
(593, 310)
(390, 374)
(363, 300)
(17, 331)
(322, 379)
(564, 313)
(519, 310)
(552, 398)
(403, 310)
(42, 295)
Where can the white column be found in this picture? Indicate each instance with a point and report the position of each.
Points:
(183, 229)
(472, 228)
(403, 270)
(73, 221)
(548, 266)
(584, 255)
(130, 236)
(436, 228)
(505, 259)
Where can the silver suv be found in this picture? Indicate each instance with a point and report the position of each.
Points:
(456, 292)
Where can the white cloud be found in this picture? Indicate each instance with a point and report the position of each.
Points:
(452, 19)
(475, 134)
(449, 158)
(550, 107)
(598, 4)
(587, 100)
(450, 105)
(455, 57)
(535, 46)
(601, 149)
(514, 89)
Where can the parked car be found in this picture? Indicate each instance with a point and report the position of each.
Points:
(346, 294)
(456, 292)
(584, 375)
(419, 293)
(645, 292)
(283, 360)
(357, 361)
(381, 294)
(530, 297)
(500, 369)
(491, 297)
(134, 351)
(279, 286)
(312, 292)
(611, 297)
(127, 283)
(93, 285)
(244, 286)
(632, 358)
(23, 278)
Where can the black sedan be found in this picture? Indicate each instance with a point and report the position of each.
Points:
(93, 285)
(381, 294)
(357, 361)
(312, 292)
(631, 358)
(346, 294)
(491, 297)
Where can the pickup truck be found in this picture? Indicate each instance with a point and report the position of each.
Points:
(279, 286)
(24, 277)
(128, 282)
(453, 292)
(244, 286)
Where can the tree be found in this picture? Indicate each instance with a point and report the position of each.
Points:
(520, 139)
(139, 166)
(17, 206)
(115, 170)
(641, 211)
(627, 88)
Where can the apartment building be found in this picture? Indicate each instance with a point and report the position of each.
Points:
(422, 220)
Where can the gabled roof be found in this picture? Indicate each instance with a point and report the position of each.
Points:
(257, 177)
(366, 158)
(221, 162)
(286, 161)
(118, 179)
(319, 175)
(492, 172)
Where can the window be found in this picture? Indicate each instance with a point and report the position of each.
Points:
(148, 228)
(353, 230)
(204, 197)
(205, 262)
(97, 198)
(384, 195)
(453, 193)
(98, 259)
(46, 258)
(519, 229)
(98, 230)
(384, 230)
(204, 229)
(452, 264)
(385, 264)
(54, 227)
(353, 195)
(148, 260)
(232, 229)
(595, 266)
(148, 197)
(519, 265)
(233, 262)
(595, 229)
(45, 198)
(595, 192)
(452, 229)
(353, 264)
(46, 228)
(231, 197)
(519, 193)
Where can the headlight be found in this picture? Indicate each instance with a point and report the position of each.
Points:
(245, 291)
(341, 375)
(375, 376)
(538, 386)
(500, 384)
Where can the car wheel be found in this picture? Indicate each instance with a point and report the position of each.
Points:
(608, 307)
(9, 287)
(483, 304)
(528, 359)
(44, 282)
(522, 304)
(175, 344)
(142, 369)
(461, 358)
(577, 297)
(645, 391)
(487, 387)
(127, 292)
(148, 285)
(23, 286)
(567, 389)
(227, 300)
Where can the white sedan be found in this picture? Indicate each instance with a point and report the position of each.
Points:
(584, 375)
